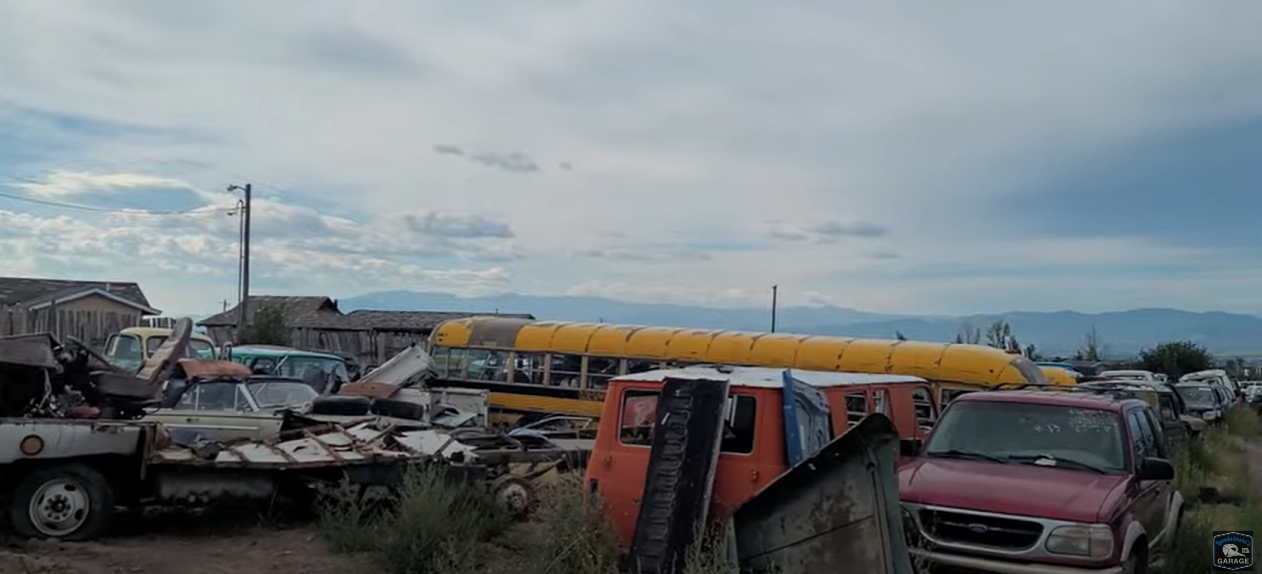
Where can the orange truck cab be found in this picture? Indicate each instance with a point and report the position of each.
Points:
(756, 445)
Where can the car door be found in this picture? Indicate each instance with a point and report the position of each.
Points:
(216, 410)
(1146, 494)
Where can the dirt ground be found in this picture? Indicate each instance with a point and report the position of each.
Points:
(260, 551)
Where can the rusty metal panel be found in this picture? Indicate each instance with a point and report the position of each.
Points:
(207, 369)
(837, 511)
(29, 350)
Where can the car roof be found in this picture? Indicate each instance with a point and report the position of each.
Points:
(1125, 373)
(278, 351)
(147, 332)
(1051, 398)
(766, 377)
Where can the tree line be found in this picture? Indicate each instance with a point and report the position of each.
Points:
(1174, 358)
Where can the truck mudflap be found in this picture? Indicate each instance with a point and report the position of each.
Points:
(837, 511)
(688, 429)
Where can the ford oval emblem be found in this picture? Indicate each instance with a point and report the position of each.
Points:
(978, 528)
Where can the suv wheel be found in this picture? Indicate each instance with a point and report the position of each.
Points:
(1138, 561)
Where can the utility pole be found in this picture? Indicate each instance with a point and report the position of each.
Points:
(243, 316)
(774, 290)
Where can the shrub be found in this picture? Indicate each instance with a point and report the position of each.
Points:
(435, 524)
(573, 536)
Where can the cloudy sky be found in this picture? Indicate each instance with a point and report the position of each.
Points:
(943, 157)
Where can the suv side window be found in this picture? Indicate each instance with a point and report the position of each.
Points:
(1158, 445)
(1139, 442)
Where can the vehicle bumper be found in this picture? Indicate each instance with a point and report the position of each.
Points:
(1002, 567)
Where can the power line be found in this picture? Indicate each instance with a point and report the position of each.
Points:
(89, 208)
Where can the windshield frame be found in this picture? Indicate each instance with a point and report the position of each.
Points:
(250, 389)
(976, 408)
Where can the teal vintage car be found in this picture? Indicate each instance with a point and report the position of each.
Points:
(325, 372)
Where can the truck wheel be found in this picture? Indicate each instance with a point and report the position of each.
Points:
(71, 502)
(515, 494)
(340, 405)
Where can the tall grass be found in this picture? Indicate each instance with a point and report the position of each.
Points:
(1217, 461)
(571, 534)
(434, 526)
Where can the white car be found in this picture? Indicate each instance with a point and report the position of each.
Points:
(225, 409)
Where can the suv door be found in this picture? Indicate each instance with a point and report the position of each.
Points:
(1146, 494)
(1164, 488)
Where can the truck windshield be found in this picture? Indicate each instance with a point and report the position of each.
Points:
(1045, 435)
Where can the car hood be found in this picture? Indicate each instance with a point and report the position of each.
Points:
(1028, 490)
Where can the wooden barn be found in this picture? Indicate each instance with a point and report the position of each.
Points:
(88, 310)
(316, 324)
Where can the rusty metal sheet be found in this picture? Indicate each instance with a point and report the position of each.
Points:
(29, 350)
(837, 511)
(370, 389)
(208, 369)
(333, 446)
(402, 368)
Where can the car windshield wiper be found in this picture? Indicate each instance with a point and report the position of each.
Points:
(967, 455)
(1060, 462)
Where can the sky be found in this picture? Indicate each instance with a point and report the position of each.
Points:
(946, 158)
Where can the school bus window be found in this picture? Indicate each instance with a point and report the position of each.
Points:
(487, 365)
(600, 370)
(923, 402)
(567, 370)
(638, 414)
(637, 366)
(454, 363)
(528, 368)
(856, 408)
(738, 431)
(948, 395)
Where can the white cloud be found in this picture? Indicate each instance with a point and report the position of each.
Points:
(684, 123)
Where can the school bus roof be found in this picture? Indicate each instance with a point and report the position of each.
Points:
(944, 362)
(766, 377)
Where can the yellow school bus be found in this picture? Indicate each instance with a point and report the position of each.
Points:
(546, 367)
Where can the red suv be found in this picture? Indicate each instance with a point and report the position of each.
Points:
(1036, 482)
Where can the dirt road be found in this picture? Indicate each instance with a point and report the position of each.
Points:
(259, 551)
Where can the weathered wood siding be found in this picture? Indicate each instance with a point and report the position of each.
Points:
(91, 320)
(370, 347)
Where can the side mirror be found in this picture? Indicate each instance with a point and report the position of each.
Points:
(1155, 469)
(911, 447)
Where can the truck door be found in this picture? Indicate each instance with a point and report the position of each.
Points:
(807, 426)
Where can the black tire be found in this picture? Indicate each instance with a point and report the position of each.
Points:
(1138, 561)
(340, 405)
(398, 409)
(75, 502)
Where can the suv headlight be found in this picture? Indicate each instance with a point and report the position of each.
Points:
(1087, 540)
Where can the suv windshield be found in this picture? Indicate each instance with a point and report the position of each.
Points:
(1045, 435)
(1198, 397)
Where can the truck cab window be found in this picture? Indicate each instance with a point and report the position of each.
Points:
(738, 431)
(856, 408)
(926, 414)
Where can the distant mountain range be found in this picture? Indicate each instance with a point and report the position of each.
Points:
(1122, 333)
